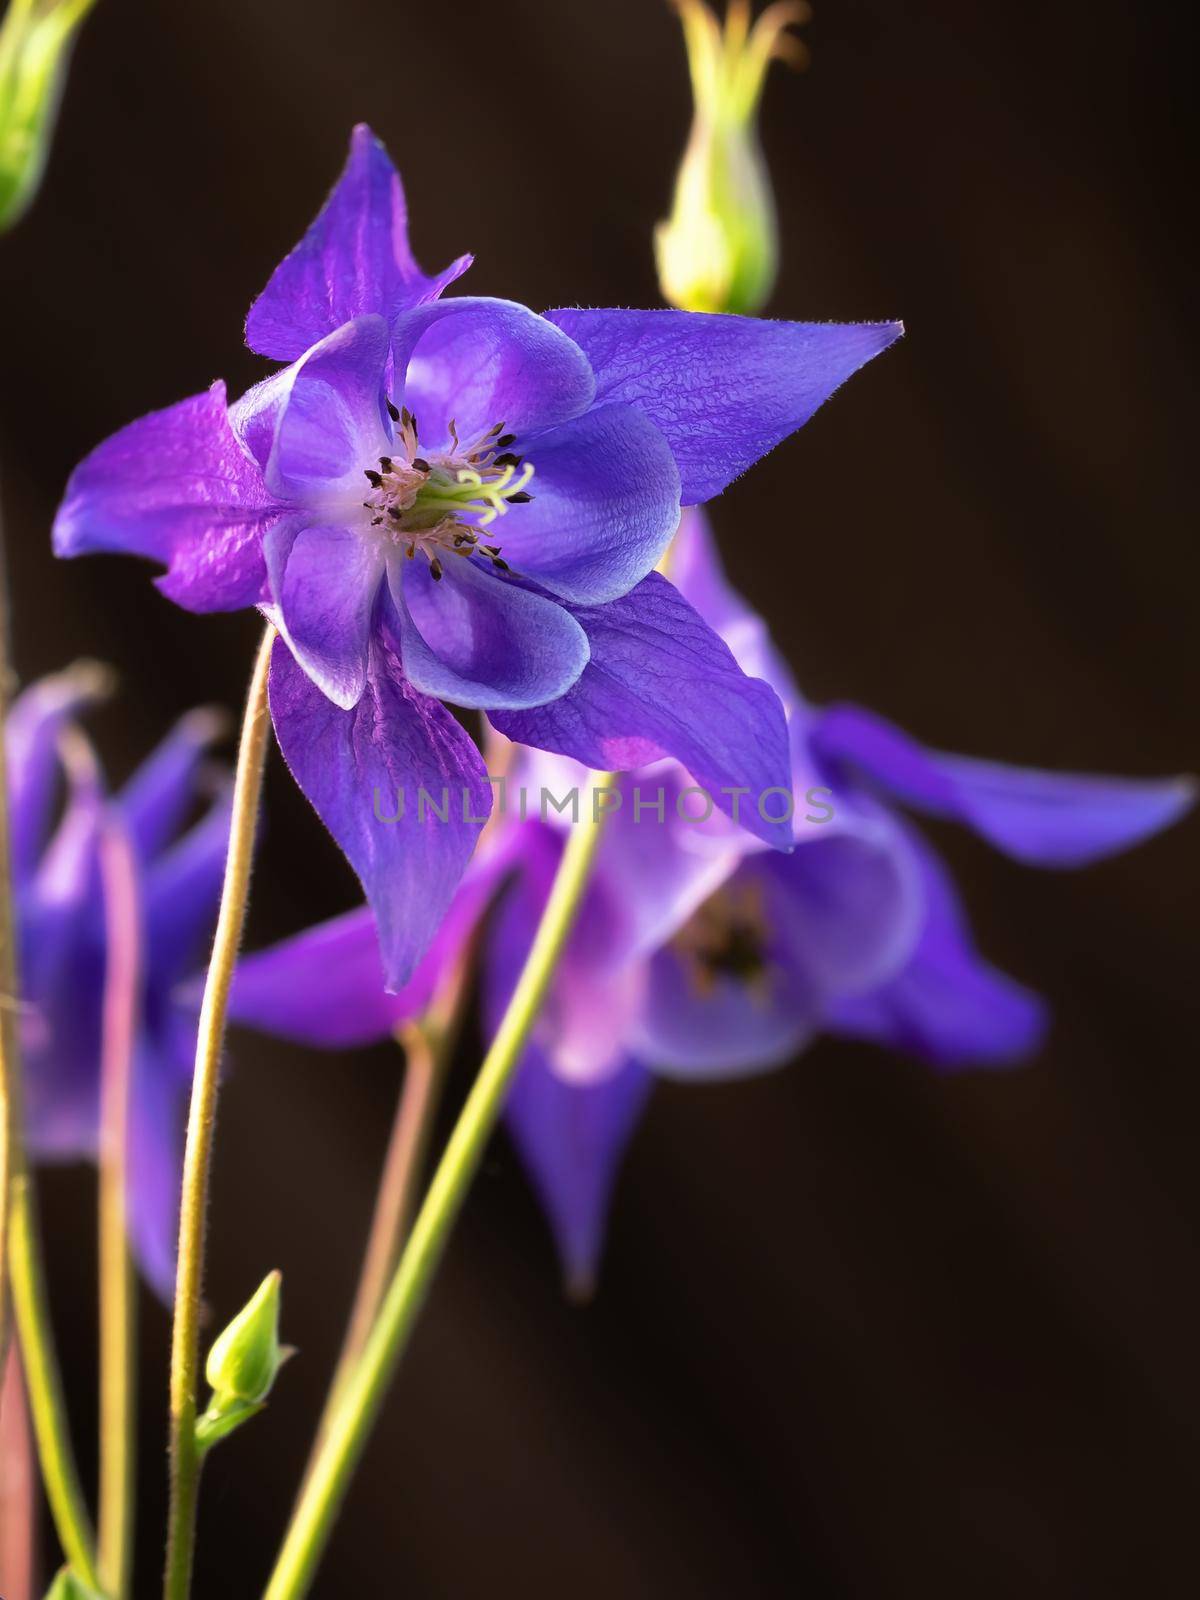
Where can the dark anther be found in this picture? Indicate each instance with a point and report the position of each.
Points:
(463, 538)
(508, 460)
(492, 549)
(406, 416)
(518, 499)
(420, 463)
(386, 463)
(435, 568)
(373, 478)
(506, 439)
(500, 565)
(395, 512)
(392, 412)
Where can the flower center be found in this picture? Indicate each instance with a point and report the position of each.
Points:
(727, 938)
(438, 503)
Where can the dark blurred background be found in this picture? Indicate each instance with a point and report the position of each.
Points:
(862, 1330)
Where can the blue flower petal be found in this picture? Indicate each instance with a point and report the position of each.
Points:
(845, 908)
(699, 1030)
(724, 390)
(606, 502)
(31, 734)
(947, 1005)
(175, 486)
(572, 1138)
(324, 581)
(324, 987)
(571, 1131)
(352, 764)
(182, 890)
(694, 567)
(478, 639)
(158, 1095)
(1040, 818)
(660, 682)
(160, 794)
(355, 258)
(478, 362)
(329, 418)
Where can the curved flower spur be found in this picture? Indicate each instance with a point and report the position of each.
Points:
(462, 501)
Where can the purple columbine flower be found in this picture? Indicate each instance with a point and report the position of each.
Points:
(58, 898)
(460, 501)
(858, 932)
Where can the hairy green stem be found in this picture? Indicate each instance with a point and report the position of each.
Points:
(347, 1435)
(185, 1332)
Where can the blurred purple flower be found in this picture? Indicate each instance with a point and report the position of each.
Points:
(58, 897)
(355, 495)
(700, 956)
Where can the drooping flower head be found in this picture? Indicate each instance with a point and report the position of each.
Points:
(458, 501)
(58, 895)
(732, 958)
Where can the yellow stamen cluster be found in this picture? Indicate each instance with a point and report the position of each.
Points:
(437, 503)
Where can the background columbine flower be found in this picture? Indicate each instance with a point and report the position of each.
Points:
(860, 931)
(461, 501)
(61, 940)
(700, 955)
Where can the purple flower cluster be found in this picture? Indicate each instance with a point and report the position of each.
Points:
(61, 938)
(461, 502)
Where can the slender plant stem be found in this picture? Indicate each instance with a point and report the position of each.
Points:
(21, 1274)
(18, 1487)
(67, 1505)
(185, 1333)
(337, 1457)
(427, 1046)
(118, 1394)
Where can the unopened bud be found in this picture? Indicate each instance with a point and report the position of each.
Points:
(35, 47)
(718, 250)
(243, 1363)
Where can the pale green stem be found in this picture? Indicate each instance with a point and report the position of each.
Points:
(339, 1453)
(47, 1408)
(185, 1333)
(118, 1393)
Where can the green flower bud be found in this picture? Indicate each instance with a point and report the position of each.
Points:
(35, 47)
(718, 249)
(242, 1364)
(67, 1586)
